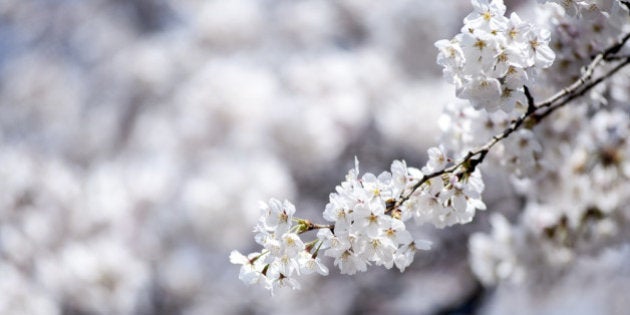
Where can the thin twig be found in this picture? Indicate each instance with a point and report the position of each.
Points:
(588, 72)
(585, 89)
(309, 226)
(616, 58)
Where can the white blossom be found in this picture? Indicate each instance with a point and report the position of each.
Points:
(489, 49)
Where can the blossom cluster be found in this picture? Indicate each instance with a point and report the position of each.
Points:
(284, 254)
(368, 215)
(493, 57)
(366, 229)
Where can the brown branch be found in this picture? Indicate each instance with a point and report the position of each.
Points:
(563, 97)
(306, 225)
(585, 89)
(616, 58)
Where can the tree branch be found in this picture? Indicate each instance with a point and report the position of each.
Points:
(563, 97)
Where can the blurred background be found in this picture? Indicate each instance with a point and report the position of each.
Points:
(137, 137)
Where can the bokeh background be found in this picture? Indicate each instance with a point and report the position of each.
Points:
(137, 137)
